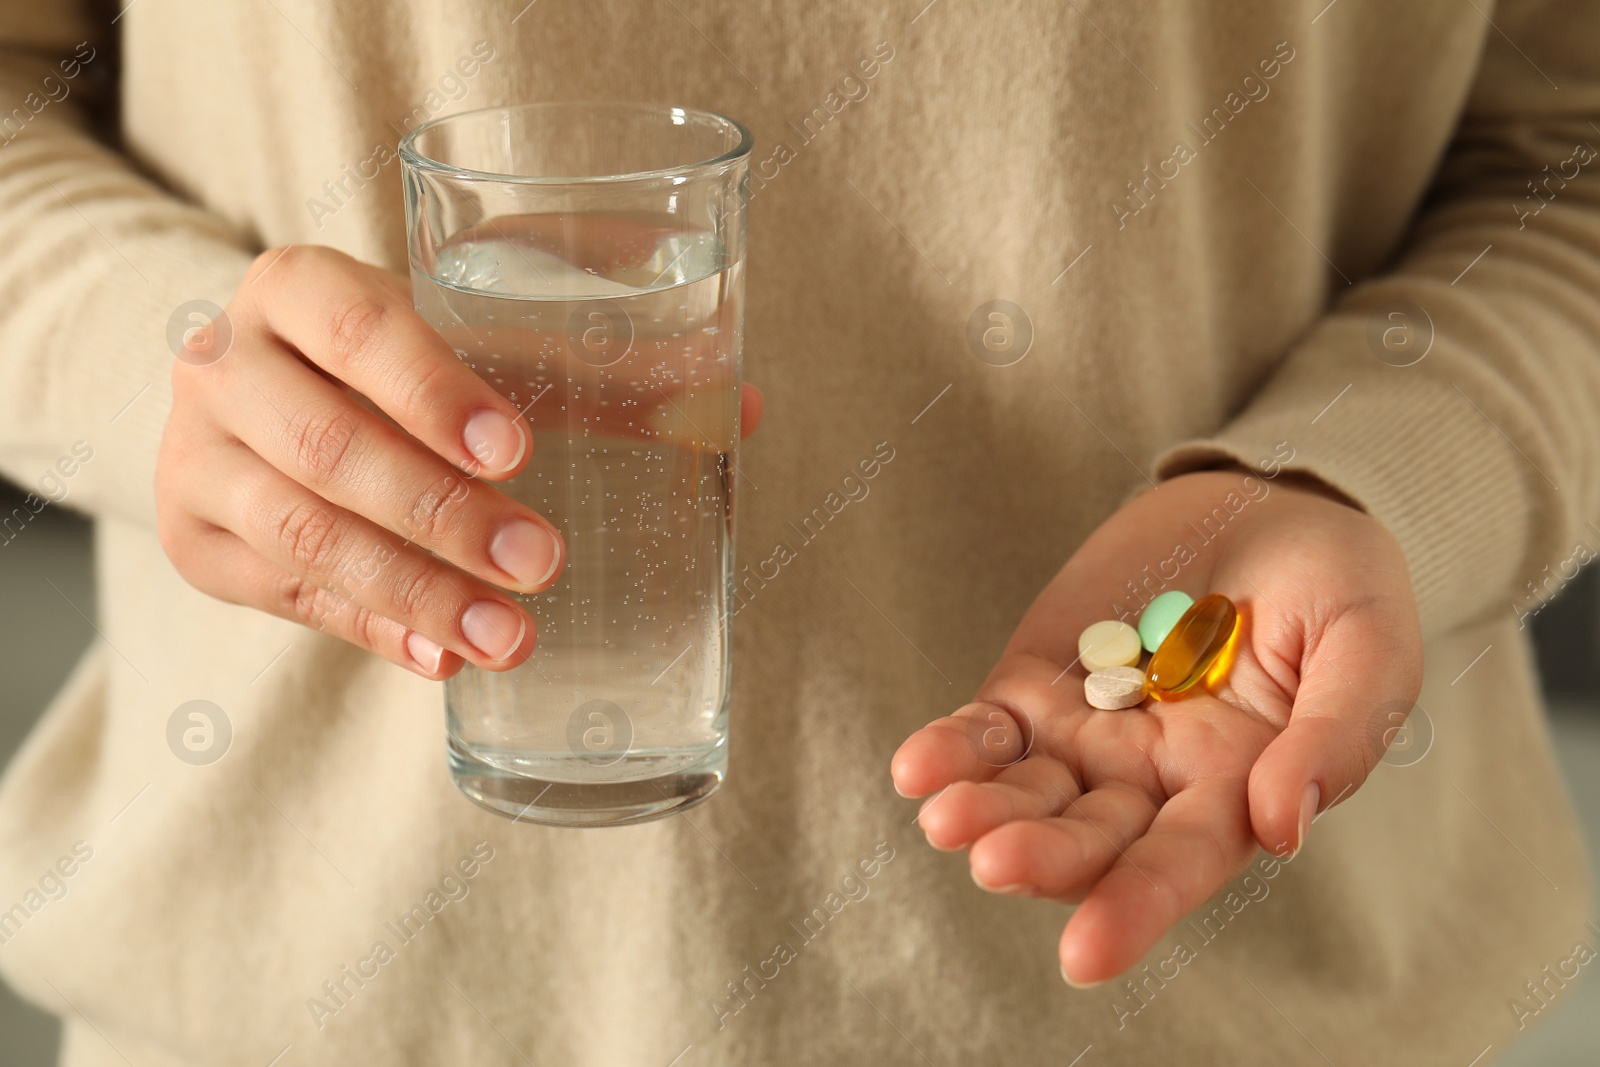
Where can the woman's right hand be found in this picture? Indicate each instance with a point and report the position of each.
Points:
(278, 489)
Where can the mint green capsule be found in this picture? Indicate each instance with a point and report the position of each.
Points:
(1160, 616)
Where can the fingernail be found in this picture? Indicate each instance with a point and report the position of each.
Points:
(495, 441)
(1079, 985)
(527, 551)
(1011, 890)
(424, 652)
(1308, 811)
(494, 629)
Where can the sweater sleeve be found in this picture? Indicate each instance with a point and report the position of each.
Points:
(95, 259)
(1457, 397)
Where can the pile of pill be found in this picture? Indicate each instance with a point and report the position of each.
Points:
(1185, 637)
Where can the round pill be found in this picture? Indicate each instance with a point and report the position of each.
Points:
(1114, 688)
(1159, 616)
(1108, 644)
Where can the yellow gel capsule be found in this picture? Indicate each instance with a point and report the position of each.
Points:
(1202, 634)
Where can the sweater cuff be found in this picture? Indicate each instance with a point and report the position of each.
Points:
(1407, 446)
(101, 371)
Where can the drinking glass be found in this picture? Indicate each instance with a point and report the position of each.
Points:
(587, 261)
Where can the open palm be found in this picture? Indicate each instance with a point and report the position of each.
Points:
(1142, 815)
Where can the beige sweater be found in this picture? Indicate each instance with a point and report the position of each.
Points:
(1208, 211)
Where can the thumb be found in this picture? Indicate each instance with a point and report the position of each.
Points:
(1357, 681)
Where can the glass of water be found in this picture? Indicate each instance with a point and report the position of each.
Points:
(587, 260)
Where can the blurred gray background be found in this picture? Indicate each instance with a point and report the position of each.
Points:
(48, 567)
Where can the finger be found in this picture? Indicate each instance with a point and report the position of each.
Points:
(1356, 670)
(1029, 789)
(325, 440)
(223, 566)
(317, 541)
(338, 314)
(751, 406)
(1197, 842)
(678, 390)
(1018, 707)
(1063, 857)
(971, 745)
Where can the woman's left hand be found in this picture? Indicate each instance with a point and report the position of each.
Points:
(1144, 814)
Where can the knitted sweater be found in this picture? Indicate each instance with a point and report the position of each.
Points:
(1358, 239)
